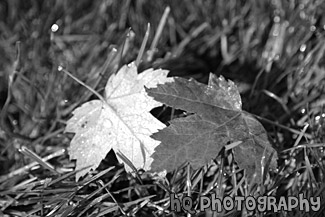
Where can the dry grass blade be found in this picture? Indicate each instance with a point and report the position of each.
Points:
(143, 46)
(94, 178)
(160, 28)
(128, 204)
(29, 166)
(190, 37)
(32, 155)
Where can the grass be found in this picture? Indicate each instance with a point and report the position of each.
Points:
(273, 50)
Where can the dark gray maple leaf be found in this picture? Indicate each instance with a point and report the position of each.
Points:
(217, 119)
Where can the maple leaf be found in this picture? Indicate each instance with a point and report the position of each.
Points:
(216, 118)
(122, 123)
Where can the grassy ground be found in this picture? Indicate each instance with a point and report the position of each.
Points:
(273, 50)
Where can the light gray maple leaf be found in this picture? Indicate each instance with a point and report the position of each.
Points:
(122, 123)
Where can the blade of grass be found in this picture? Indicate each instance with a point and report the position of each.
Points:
(33, 156)
(160, 28)
(143, 46)
(29, 166)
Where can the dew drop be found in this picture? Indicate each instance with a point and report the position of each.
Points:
(35, 34)
(276, 32)
(60, 68)
(54, 27)
(84, 124)
(303, 47)
(301, 57)
(107, 123)
(302, 15)
(292, 29)
(312, 28)
(276, 19)
(63, 102)
(317, 118)
(303, 111)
